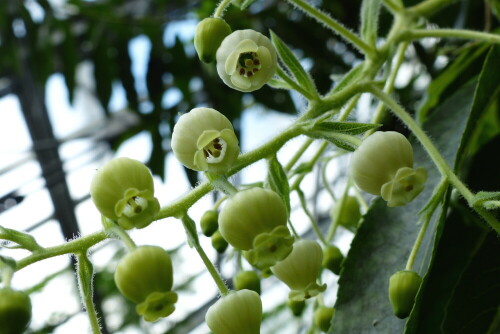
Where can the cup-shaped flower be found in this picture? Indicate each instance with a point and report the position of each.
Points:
(332, 259)
(123, 190)
(270, 247)
(209, 222)
(383, 165)
(403, 288)
(15, 311)
(238, 312)
(246, 60)
(145, 276)
(323, 316)
(300, 269)
(210, 33)
(248, 280)
(249, 213)
(204, 140)
(348, 212)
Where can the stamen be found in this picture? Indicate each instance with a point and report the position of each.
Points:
(215, 150)
(135, 206)
(248, 64)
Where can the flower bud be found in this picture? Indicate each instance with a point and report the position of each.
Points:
(296, 306)
(123, 190)
(403, 287)
(300, 269)
(238, 312)
(323, 317)
(349, 214)
(209, 222)
(247, 280)
(204, 140)
(145, 276)
(15, 311)
(383, 165)
(208, 36)
(246, 60)
(218, 242)
(332, 259)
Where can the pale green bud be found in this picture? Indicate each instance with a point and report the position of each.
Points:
(296, 306)
(323, 317)
(218, 242)
(246, 60)
(209, 222)
(15, 311)
(204, 140)
(332, 259)
(383, 165)
(209, 34)
(238, 312)
(403, 287)
(350, 213)
(247, 280)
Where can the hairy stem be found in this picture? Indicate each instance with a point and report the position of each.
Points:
(451, 33)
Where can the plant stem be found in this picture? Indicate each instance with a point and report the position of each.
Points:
(333, 25)
(85, 274)
(314, 224)
(220, 182)
(313, 160)
(393, 6)
(219, 11)
(211, 269)
(281, 73)
(450, 33)
(298, 154)
(428, 7)
(416, 245)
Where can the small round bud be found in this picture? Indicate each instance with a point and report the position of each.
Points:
(208, 36)
(218, 242)
(247, 280)
(209, 222)
(145, 276)
(403, 287)
(204, 140)
(246, 60)
(238, 312)
(383, 165)
(332, 259)
(15, 311)
(296, 306)
(323, 317)
(300, 269)
(123, 190)
(349, 215)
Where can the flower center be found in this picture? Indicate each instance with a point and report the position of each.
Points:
(135, 205)
(248, 64)
(215, 150)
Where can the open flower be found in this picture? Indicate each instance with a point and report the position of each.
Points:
(246, 60)
(204, 140)
(383, 165)
(123, 190)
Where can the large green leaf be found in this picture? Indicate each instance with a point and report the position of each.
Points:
(384, 240)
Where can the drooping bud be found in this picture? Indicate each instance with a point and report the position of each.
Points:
(323, 317)
(204, 140)
(403, 287)
(238, 312)
(145, 276)
(296, 306)
(332, 259)
(210, 33)
(15, 311)
(123, 190)
(218, 242)
(349, 214)
(300, 269)
(383, 165)
(247, 280)
(246, 60)
(209, 222)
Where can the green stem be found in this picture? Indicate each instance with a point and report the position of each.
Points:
(294, 231)
(416, 245)
(281, 73)
(73, 246)
(314, 224)
(296, 156)
(220, 182)
(219, 11)
(125, 238)
(352, 104)
(450, 33)
(434, 154)
(211, 269)
(428, 7)
(219, 202)
(336, 219)
(85, 274)
(315, 158)
(394, 6)
(333, 25)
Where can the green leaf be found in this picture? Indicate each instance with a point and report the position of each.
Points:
(349, 128)
(349, 78)
(85, 271)
(370, 10)
(341, 140)
(278, 181)
(293, 65)
(279, 84)
(191, 232)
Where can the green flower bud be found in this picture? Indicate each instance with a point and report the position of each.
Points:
(123, 190)
(204, 140)
(269, 248)
(247, 280)
(349, 215)
(323, 317)
(403, 287)
(208, 36)
(238, 312)
(296, 306)
(246, 60)
(145, 276)
(332, 259)
(15, 311)
(300, 269)
(383, 165)
(209, 222)
(249, 213)
(218, 242)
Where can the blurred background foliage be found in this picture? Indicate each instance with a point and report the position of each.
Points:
(39, 38)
